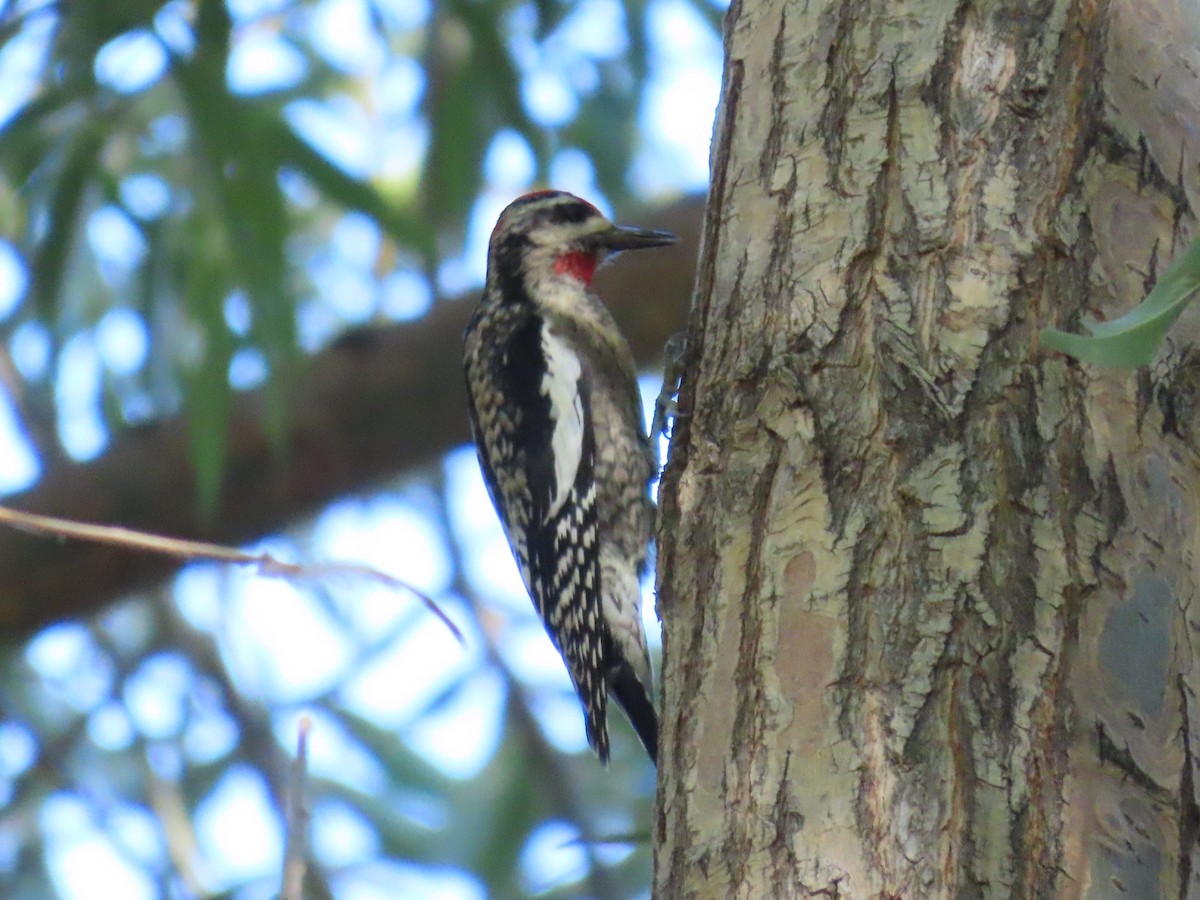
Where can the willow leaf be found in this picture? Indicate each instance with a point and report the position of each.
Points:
(1133, 339)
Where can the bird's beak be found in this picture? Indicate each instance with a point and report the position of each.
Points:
(618, 237)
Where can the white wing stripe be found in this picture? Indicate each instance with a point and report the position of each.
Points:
(561, 385)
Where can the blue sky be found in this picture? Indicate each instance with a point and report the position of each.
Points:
(389, 657)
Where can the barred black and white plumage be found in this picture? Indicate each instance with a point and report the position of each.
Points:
(558, 426)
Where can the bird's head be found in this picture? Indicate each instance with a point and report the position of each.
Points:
(553, 232)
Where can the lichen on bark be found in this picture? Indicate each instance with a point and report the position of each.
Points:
(926, 587)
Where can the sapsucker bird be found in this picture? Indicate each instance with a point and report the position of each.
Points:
(558, 426)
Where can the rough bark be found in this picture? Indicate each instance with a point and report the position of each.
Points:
(379, 402)
(926, 588)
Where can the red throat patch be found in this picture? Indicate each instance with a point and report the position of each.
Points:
(579, 265)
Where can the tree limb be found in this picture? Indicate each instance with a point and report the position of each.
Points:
(374, 404)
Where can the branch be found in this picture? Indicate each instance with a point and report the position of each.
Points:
(295, 858)
(191, 551)
(376, 403)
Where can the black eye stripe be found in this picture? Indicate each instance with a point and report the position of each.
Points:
(573, 213)
(557, 207)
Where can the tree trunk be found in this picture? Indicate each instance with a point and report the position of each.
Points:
(926, 587)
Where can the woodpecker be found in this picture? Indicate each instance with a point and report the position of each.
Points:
(558, 427)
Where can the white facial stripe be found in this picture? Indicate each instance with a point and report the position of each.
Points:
(561, 385)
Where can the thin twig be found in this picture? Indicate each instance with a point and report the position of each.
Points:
(258, 745)
(298, 815)
(267, 565)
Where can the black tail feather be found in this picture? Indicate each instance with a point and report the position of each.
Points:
(631, 696)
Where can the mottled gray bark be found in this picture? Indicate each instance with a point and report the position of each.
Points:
(927, 588)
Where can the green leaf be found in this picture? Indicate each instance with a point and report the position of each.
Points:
(242, 175)
(405, 766)
(1131, 340)
(605, 128)
(516, 805)
(473, 91)
(26, 139)
(48, 265)
(403, 223)
(208, 397)
(401, 836)
(550, 14)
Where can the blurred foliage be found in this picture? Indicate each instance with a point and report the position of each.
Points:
(138, 175)
(243, 188)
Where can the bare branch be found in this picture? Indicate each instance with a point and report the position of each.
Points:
(192, 551)
(295, 859)
(377, 403)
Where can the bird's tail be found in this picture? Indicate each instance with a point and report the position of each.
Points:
(630, 693)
